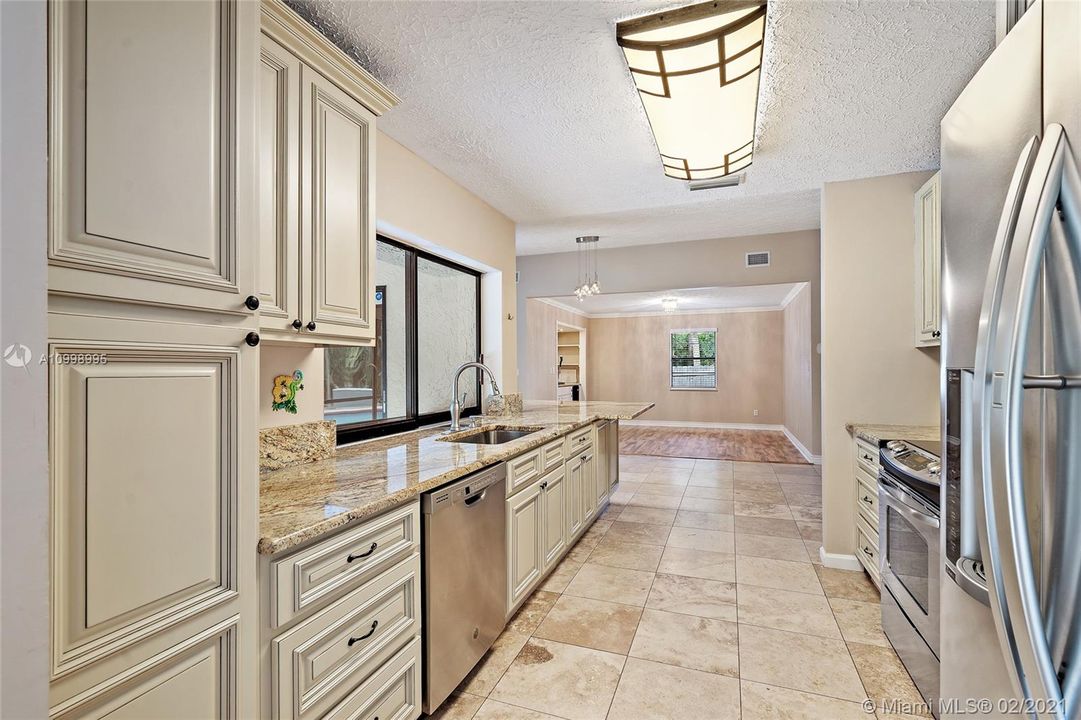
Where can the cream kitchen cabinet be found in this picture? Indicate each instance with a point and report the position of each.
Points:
(341, 623)
(555, 522)
(154, 489)
(537, 533)
(151, 152)
(525, 543)
(575, 517)
(928, 250)
(317, 125)
(153, 381)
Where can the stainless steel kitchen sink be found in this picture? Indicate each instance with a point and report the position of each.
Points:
(495, 436)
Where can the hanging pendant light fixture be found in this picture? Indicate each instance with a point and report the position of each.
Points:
(588, 284)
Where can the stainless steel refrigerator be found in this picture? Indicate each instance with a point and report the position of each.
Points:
(1011, 356)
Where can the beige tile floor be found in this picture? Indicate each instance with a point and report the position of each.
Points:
(697, 594)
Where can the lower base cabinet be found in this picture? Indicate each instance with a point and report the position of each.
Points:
(352, 649)
(545, 518)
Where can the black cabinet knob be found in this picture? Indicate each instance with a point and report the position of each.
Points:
(251, 302)
(252, 338)
(297, 324)
(936, 333)
(311, 325)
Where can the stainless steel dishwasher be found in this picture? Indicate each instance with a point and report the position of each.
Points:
(465, 577)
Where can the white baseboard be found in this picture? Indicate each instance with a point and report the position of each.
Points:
(705, 425)
(839, 561)
(807, 454)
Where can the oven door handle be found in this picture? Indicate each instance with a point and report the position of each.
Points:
(904, 506)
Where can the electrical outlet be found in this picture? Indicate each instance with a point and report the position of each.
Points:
(756, 412)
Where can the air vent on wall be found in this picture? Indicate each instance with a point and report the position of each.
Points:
(758, 259)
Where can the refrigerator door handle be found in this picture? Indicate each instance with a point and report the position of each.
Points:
(999, 379)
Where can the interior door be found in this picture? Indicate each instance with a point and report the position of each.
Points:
(147, 197)
(339, 227)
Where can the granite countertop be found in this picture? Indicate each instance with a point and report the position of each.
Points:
(302, 502)
(876, 433)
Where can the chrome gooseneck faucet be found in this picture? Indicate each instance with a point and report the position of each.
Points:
(455, 403)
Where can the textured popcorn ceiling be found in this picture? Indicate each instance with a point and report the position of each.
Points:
(530, 105)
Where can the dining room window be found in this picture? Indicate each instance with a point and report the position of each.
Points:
(694, 359)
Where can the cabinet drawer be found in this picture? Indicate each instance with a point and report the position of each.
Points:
(867, 496)
(867, 457)
(318, 662)
(579, 440)
(524, 470)
(392, 693)
(552, 455)
(314, 575)
(867, 547)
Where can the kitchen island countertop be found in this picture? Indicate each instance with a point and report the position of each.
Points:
(302, 502)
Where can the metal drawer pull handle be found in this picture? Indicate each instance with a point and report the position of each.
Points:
(868, 553)
(867, 500)
(351, 558)
(365, 636)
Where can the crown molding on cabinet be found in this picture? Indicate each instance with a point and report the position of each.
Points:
(286, 26)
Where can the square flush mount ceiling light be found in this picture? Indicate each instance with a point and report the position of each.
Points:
(697, 70)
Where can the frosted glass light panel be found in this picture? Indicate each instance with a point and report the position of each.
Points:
(697, 72)
(447, 331)
(363, 384)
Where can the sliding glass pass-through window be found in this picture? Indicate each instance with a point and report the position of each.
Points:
(694, 359)
(427, 324)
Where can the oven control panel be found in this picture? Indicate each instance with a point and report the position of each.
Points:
(915, 462)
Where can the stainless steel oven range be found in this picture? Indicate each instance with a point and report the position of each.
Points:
(908, 538)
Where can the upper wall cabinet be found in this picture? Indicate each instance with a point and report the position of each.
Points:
(150, 141)
(928, 214)
(316, 278)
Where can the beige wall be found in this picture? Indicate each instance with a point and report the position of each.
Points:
(538, 378)
(798, 356)
(870, 370)
(701, 263)
(420, 206)
(284, 360)
(629, 361)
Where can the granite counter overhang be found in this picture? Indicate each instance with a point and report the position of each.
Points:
(303, 502)
(875, 434)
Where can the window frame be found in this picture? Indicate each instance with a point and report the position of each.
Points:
(354, 432)
(671, 358)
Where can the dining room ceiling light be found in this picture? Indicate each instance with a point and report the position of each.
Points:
(697, 71)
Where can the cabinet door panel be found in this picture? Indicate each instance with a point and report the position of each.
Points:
(194, 679)
(145, 145)
(278, 276)
(555, 522)
(525, 523)
(339, 226)
(146, 472)
(589, 481)
(573, 496)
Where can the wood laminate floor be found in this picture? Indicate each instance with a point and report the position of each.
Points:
(742, 445)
